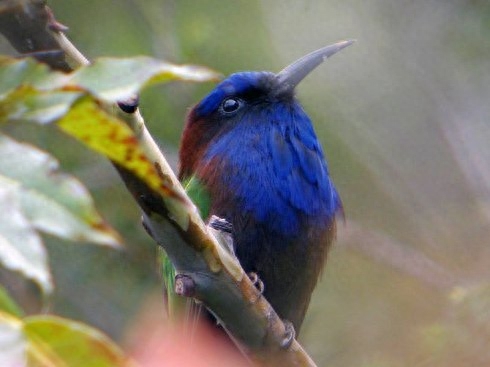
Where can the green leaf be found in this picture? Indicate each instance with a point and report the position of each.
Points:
(73, 100)
(15, 73)
(21, 248)
(54, 341)
(108, 135)
(114, 79)
(53, 202)
(27, 104)
(8, 305)
(73, 343)
(29, 90)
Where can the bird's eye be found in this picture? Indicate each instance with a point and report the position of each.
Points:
(230, 105)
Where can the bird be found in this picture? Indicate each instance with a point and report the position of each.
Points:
(249, 154)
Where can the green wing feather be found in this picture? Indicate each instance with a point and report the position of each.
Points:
(199, 195)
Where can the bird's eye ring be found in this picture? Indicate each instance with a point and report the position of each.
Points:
(230, 105)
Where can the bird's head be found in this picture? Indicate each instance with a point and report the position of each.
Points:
(240, 95)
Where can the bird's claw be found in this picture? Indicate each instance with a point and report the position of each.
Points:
(257, 282)
(220, 224)
(224, 229)
(289, 334)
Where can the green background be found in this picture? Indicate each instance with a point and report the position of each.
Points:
(403, 116)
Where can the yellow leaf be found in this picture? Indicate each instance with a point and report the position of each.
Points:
(108, 135)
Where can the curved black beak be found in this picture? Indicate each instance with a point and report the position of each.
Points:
(289, 77)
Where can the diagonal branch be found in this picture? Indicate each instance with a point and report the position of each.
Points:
(207, 271)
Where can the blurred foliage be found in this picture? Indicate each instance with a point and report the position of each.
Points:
(36, 196)
(49, 341)
(403, 119)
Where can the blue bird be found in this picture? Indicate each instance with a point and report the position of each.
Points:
(251, 150)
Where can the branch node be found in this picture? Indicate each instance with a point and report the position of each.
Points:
(129, 105)
(184, 285)
(53, 24)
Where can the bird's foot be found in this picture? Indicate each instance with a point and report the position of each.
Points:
(224, 228)
(289, 334)
(257, 282)
(220, 224)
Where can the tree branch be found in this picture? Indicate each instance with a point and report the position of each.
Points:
(207, 270)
